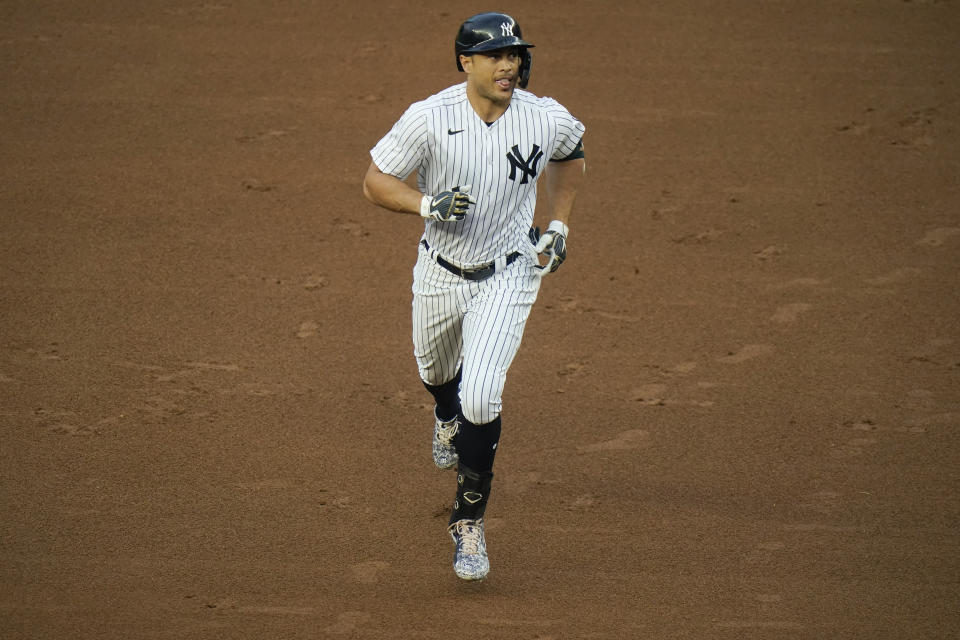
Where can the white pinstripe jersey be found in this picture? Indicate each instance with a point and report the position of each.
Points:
(447, 143)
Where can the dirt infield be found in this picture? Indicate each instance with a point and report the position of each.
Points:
(736, 412)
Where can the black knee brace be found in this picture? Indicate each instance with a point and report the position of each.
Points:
(447, 397)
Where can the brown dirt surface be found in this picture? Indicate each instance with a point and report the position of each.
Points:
(736, 412)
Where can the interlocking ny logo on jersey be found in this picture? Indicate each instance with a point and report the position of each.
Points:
(528, 166)
(506, 29)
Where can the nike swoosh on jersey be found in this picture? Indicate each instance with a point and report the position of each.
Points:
(451, 132)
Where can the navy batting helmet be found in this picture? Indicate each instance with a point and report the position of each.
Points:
(491, 31)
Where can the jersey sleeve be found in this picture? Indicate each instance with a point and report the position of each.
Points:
(569, 130)
(402, 150)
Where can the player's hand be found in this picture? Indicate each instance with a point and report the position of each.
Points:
(448, 205)
(553, 242)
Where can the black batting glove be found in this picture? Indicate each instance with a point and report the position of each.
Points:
(553, 242)
(534, 235)
(448, 205)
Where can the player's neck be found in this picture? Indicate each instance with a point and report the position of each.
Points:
(488, 110)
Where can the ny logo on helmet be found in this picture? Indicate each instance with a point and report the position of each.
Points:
(506, 28)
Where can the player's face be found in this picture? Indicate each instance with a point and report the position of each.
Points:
(493, 73)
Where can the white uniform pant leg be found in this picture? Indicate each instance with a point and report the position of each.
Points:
(438, 308)
(492, 331)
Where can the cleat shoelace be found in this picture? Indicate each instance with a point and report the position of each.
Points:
(446, 430)
(470, 536)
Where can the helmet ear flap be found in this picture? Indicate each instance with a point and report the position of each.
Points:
(526, 61)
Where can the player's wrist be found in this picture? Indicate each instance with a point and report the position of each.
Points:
(560, 227)
(425, 206)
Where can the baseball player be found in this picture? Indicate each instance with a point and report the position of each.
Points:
(479, 150)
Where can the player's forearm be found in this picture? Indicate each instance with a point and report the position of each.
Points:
(390, 192)
(563, 182)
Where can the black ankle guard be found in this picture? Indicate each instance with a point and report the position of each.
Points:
(473, 491)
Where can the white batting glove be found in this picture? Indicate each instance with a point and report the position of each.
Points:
(447, 205)
(553, 242)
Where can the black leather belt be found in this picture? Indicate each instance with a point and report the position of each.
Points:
(476, 273)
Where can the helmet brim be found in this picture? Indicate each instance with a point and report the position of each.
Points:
(493, 45)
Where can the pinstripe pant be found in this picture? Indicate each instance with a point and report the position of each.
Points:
(476, 326)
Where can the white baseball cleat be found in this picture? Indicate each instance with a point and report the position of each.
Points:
(470, 561)
(444, 453)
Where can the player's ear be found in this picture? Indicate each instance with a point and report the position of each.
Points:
(466, 62)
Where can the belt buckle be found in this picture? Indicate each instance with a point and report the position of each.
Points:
(476, 274)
